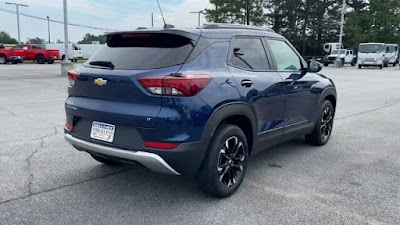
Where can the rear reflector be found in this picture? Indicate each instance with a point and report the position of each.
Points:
(69, 127)
(72, 77)
(175, 85)
(161, 145)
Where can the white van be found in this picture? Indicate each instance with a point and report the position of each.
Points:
(392, 54)
(371, 54)
(74, 52)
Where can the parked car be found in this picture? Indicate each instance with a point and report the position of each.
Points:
(391, 54)
(36, 52)
(74, 51)
(7, 55)
(346, 56)
(371, 54)
(196, 101)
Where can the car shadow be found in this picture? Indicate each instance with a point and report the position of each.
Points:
(136, 182)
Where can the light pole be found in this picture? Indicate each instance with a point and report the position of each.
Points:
(17, 5)
(48, 27)
(338, 62)
(199, 12)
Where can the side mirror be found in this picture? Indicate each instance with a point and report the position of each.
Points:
(314, 66)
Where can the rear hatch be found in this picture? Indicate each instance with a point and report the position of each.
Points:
(107, 88)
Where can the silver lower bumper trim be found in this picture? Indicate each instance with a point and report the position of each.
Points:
(150, 160)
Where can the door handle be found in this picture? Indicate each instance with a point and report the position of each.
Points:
(246, 83)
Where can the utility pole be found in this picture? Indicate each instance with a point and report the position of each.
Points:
(66, 60)
(199, 12)
(66, 65)
(48, 27)
(338, 61)
(152, 19)
(17, 5)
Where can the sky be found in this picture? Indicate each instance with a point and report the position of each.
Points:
(108, 14)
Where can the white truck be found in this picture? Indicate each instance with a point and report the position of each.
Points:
(329, 47)
(346, 56)
(74, 52)
(391, 54)
(371, 54)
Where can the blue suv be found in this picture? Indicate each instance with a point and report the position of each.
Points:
(196, 101)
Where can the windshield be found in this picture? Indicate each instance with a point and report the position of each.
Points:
(371, 48)
(391, 49)
(335, 52)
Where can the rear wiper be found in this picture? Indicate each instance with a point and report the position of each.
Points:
(102, 63)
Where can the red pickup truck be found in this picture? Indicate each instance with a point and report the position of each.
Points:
(7, 55)
(35, 52)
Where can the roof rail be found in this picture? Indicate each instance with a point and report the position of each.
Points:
(234, 26)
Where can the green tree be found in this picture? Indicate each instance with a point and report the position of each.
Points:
(5, 38)
(36, 40)
(249, 12)
(89, 38)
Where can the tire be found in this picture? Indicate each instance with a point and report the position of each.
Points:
(342, 62)
(324, 125)
(62, 58)
(353, 64)
(381, 67)
(14, 62)
(225, 180)
(326, 64)
(106, 161)
(40, 59)
(3, 59)
(359, 66)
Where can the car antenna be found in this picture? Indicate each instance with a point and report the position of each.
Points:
(166, 26)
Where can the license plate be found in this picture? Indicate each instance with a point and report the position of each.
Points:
(102, 131)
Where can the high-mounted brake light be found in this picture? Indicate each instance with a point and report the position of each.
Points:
(72, 77)
(175, 85)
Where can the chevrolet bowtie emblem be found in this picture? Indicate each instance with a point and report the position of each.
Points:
(100, 82)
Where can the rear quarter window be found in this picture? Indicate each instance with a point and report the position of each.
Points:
(143, 51)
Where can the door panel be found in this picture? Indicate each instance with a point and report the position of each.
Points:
(301, 101)
(260, 87)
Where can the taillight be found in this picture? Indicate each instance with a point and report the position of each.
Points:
(69, 127)
(72, 77)
(175, 85)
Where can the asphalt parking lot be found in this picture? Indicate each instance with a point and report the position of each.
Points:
(354, 179)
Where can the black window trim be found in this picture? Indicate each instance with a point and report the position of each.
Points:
(275, 65)
(230, 53)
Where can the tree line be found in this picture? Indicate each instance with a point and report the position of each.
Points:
(5, 38)
(308, 24)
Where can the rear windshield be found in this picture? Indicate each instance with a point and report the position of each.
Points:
(143, 51)
(371, 48)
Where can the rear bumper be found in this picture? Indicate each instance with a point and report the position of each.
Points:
(150, 160)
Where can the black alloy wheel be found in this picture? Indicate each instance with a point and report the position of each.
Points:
(230, 161)
(326, 122)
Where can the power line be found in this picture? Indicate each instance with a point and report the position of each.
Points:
(56, 21)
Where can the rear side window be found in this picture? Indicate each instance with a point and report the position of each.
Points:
(249, 54)
(286, 59)
(143, 51)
